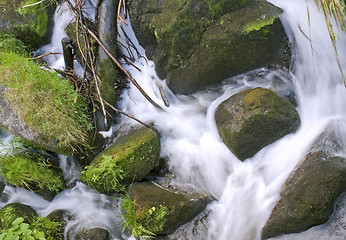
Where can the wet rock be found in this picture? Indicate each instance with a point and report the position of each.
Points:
(106, 68)
(2, 184)
(254, 118)
(93, 234)
(12, 211)
(307, 197)
(30, 24)
(162, 211)
(197, 43)
(130, 158)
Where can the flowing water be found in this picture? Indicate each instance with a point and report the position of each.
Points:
(244, 192)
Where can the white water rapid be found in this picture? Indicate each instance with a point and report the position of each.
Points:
(244, 192)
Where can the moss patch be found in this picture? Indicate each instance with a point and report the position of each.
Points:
(45, 102)
(32, 172)
(257, 25)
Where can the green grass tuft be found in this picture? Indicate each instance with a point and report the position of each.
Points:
(34, 174)
(130, 220)
(45, 101)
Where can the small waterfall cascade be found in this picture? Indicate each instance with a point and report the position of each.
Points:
(244, 192)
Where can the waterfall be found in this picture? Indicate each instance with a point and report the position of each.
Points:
(244, 192)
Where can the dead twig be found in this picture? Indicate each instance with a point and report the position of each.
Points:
(43, 55)
(129, 116)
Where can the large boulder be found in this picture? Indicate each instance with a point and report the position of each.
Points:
(162, 211)
(30, 24)
(201, 42)
(130, 158)
(254, 118)
(307, 197)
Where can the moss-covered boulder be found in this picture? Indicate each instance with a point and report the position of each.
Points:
(39, 106)
(307, 197)
(130, 158)
(196, 43)
(32, 172)
(11, 211)
(30, 24)
(254, 118)
(159, 210)
(93, 234)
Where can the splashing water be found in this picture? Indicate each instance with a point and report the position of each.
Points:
(245, 192)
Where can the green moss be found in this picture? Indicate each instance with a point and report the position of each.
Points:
(10, 44)
(7, 216)
(31, 172)
(52, 230)
(257, 25)
(38, 25)
(45, 101)
(130, 158)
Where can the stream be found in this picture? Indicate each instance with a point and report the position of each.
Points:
(244, 192)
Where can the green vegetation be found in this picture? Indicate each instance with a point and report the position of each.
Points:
(45, 101)
(255, 26)
(106, 176)
(31, 172)
(39, 228)
(130, 220)
(8, 43)
(154, 218)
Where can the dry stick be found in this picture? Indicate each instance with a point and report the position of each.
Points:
(32, 4)
(163, 94)
(130, 116)
(44, 55)
(122, 68)
(120, 18)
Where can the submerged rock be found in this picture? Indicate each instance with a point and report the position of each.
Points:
(93, 234)
(254, 118)
(30, 24)
(11, 211)
(130, 158)
(162, 211)
(307, 197)
(197, 43)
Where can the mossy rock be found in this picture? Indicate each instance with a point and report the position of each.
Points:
(308, 195)
(130, 158)
(30, 24)
(170, 30)
(240, 41)
(93, 234)
(197, 43)
(254, 118)
(40, 107)
(162, 211)
(32, 172)
(11, 211)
